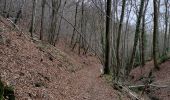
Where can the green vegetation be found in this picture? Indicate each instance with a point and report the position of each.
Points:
(163, 58)
(6, 92)
(1, 30)
(1, 90)
(109, 78)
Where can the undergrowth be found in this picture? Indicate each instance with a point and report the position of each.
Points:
(6, 92)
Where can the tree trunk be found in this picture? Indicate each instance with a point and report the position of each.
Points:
(107, 45)
(166, 28)
(75, 23)
(9, 10)
(131, 64)
(42, 19)
(57, 37)
(33, 18)
(55, 5)
(119, 36)
(5, 8)
(143, 37)
(155, 32)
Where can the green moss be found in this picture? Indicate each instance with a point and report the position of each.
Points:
(1, 90)
(164, 58)
(9, 93)
(137, 90)
(6, 92)
(108, 78)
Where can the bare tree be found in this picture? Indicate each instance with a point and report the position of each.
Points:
(119, 36)
(138, 23)
(166, 28)
(75, 22)
(143, 35)
(155, 32)
(57, 37)
(42, 19)
(55, 5)
(33, 18)
(107, 45)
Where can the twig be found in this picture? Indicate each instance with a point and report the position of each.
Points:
(14, 25)
(152, 85)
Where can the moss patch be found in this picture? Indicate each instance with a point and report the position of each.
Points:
(109, 78)
(164, 58)
(6, 92)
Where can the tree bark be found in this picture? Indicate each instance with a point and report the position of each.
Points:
(75, 23)
(33, 18)
(138, 23)
(42, 19)
(107, 45)
(119, 36)
(166, 28)
(57, 37)
(155, 32)
(55, 7)
(143, 35)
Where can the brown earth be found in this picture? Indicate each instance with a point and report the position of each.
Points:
(38, 71)
(161, 78)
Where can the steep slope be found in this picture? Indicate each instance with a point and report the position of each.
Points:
(39, 71)
(160, 78)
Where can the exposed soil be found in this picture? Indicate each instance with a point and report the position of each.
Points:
(43, 72)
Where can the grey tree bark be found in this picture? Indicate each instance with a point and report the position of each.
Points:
(32, 28)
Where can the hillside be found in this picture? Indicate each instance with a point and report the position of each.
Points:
(160, 80)
(39, 71)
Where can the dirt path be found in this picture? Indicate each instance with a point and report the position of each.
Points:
(91, 86)
(35, 76)
(86, 84)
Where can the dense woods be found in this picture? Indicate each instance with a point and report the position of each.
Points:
(122, 34)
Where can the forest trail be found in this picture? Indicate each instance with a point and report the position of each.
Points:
(87, 85)
(43, 72)
(91, 86)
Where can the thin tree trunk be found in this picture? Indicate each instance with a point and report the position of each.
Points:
(143, 37)
(130, 67)
(55, 5)
(4, 8)
(75, 23)
(42, 19)
(57, 37)
(166, 28)
(155, 32)
(33, 18)
(81, 43)
(9, 10)
(119, 36)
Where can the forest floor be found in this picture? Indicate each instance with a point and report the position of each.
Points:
(38, 71)
(160, 78)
